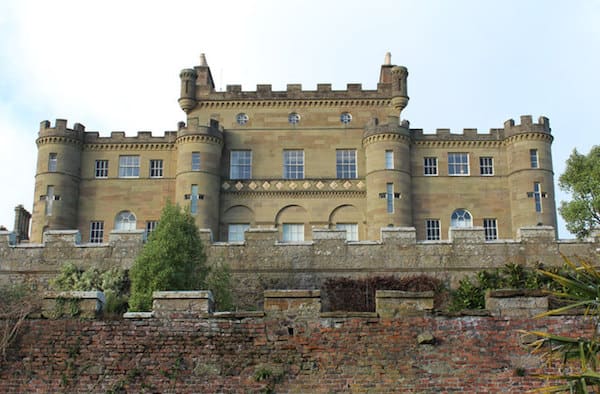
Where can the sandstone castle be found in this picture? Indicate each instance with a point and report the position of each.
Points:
(295, 160)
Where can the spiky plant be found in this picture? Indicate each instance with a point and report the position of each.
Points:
(579, 285)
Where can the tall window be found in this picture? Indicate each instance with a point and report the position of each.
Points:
(125, 220)
(52, 161)
(389, 159)
(537, 196)
(389, 197)
(129, 166)
(293, 164)
(430, 166)
(50, 197)
(533, 158)
(151, 226)
(345, 163)
(156, 168)
(241, 164)
(490, 227)
(195, 161)
(96, 232)
(432, 229)
(458, 164)
(101, 169)
(486, 165)
(236, 232)
(461, 218)
(293, 232)
(194, 199)
(351, 230)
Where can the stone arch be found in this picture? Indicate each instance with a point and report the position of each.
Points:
(348, 217)
(125, 221)
(293, 216)
(235, 221)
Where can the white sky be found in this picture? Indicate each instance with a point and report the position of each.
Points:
(114, 65)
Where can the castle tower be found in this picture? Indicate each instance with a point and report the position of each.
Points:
(197, 179)
(388, 176)
(57, 178)
(530, 174)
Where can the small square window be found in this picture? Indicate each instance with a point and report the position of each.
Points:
(430, 166)
(345, 161)
(351, 230)
(293, 232)
(156, 168)
(236, 232)
(101, 169)
(240, 164)
(486, 166)
(293, 164)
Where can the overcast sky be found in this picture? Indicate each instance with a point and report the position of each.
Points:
(114, 65)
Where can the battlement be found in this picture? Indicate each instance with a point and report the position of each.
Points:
(493, 134)
(294, 92)
(119, 137)
(60, 129)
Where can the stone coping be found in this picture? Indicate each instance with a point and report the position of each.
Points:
(194, 294)
(403, 294)
(96, 295)
(138, 315)
(509, 293)
(348, 314)
(233, 315)
(292, 294)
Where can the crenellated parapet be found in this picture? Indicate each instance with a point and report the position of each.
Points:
(527, 129)
(391, 131)
(60, 133)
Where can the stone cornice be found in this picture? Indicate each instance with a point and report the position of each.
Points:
(129, 146)
(204, 138)
(529, 136)
(294, 103)
(58, 140)
(440, 143)
(298, 193)
(386, 137)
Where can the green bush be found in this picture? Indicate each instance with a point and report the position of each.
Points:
(172, 259)
(113, 282)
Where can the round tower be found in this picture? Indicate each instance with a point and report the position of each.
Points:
(57, 178)
(197, 179)
(399, 89)
(187, 96)
(530, 174)
(388, 177)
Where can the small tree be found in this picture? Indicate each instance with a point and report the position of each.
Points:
(172, 259)
(582, 180)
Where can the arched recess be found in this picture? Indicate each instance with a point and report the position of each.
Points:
(347, 217)
(461, 218)
(292, 222)
(125, 221)
(235, 221)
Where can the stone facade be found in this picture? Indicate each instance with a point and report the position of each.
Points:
(296, 160)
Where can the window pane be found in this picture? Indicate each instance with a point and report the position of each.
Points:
(491, 229)
(101, 169)
(195, 161)
(430, 166)
(351, 230)
(52, 161)
(156, 168)
(293, 164)
(389, 195)
(345, 163)
(486, 166)
(458, 163)
(236, 232)
(129, 166)
(432, 229)
(389, 160)
(96, 231)
(125, 221)
(241, 164)
(194, 199)
(293, 232)
(537, 195)
(461, 218)
(533, 157)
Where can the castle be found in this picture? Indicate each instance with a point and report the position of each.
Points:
(296, 160)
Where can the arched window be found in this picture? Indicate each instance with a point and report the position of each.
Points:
(125, 220)
(461, 218)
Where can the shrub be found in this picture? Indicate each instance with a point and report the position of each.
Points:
(16, 302)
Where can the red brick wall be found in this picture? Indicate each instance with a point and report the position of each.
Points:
(471, 354)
